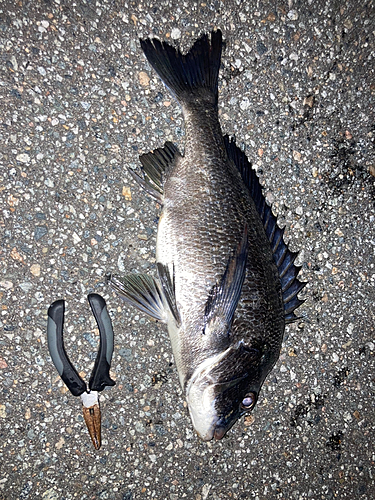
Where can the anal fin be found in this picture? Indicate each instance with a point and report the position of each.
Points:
(154, 167)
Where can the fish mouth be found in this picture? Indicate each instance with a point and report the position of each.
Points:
(223, 425)
(208, 436)
(219, 432)
(216, 431)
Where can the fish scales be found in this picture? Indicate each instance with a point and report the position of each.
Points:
(218, 289)
(206, 207)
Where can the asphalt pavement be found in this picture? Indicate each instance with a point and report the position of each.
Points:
(78, 105)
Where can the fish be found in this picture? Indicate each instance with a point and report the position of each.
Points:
(226, 281)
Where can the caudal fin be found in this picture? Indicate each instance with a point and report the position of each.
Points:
(185, 74)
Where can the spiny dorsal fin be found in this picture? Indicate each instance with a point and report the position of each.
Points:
(154, 167)
(283, 257)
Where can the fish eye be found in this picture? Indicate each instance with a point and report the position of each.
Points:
(248, 401)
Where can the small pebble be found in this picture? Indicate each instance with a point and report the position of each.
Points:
(6, 285)
(144, 79)
(297, 156)
(39, 232)
(293, 15)
(13, 60)
(126, 354)
(261, 48)
(126, 193)
(35, 270)
(12, 201)
(175, 34)
(17, 256)
(23, 158)
(309, 101)
(26, 287)
(245, 104)
(249, 419)
(51, 494)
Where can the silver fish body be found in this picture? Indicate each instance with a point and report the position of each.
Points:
(219, 287)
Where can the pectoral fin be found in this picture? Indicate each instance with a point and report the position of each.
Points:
(223, 299)
(141, 291)
(167, 283)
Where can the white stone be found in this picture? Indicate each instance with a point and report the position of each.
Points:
(293, 15)
(23, 158)
(335, 357)
(175, 34)
(245, 104)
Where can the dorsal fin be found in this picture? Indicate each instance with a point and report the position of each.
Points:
(283, 257)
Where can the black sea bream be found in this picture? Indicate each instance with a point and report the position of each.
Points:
(226, 283)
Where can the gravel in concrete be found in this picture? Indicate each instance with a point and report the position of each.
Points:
(78, 104)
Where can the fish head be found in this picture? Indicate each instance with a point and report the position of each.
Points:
(223, 388)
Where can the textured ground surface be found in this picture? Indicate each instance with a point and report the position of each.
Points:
(78, 104)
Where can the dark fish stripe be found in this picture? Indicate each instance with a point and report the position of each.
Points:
(292, 306)
(292, 291)
(279, 256)
(290, 278)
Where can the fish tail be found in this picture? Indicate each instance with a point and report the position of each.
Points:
(193, 73)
